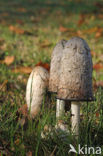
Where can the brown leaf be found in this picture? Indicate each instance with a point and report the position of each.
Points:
(23, 110)
(63, 29)
(91, 30)
(23, 70)
(45, 44)
(99, 84)
(19, 22)
(81, 19)
(100, 16)
(22, 121)
(98, 34)
(17, 141)
(16, 30)
(23, 10)
(29, 153)
(3, 84)
(99, 5)
(8, 60)
(97, 114)
(98, 66)
(45, 65)
(5, 14)
(93, 53)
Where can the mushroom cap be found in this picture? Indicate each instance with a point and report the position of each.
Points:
(75, 79)
(36, 85)
(55, 65)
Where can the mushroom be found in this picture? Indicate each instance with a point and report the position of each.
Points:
(75, 78)
(54, 75)
(36, 86)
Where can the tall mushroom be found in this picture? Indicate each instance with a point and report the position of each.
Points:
(75, 78)
(36, 86)
(55, 73)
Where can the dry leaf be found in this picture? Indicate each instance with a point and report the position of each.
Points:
(45, 44)
(17, 142)
(3, 84)
(29, 153)
(93, 53)
(91, 30)
(100, 16)
(99, 84)
(23, 110)
(22, 121)
(98, 34)
(81, 19)
(5, 14)
(19, 22)
(23, 70)
(8, 60)
(23, 10)
(63, 29)
(99, 5)
(16, 29)
(97, 114)
(98, 66)
(45, 65)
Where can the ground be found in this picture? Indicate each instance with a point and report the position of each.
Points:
(29, 30)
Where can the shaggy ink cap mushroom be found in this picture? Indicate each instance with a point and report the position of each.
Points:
(55, 65)
(75, 77)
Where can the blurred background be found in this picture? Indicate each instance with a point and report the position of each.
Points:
(29, 29)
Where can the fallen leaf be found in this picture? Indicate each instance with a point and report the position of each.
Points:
(19, 22)
(17, 141)
(23, 10)
(23, 70)
(81, 19)
(93, 53)
(29, 153)
(23, 110)
(99, 5)
(45, 65)
(5, 14)
(91, 30)
(63, 29)
(79, 32)
(99, 84)
(8, 60)
(16, 30)
(45, 44)
(98, 34)
(22, 121)
(3, 84)
(100, 16)
(98, 66)
(97, 114)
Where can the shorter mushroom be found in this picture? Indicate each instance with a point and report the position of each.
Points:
(36, 86)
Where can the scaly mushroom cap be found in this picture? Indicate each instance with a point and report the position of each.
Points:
(36, 85)
(75, 81)
(55, 66)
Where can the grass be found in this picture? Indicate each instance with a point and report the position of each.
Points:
(42, 20)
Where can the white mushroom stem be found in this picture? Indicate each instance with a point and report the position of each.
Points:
(75, 120)
(60, 108)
